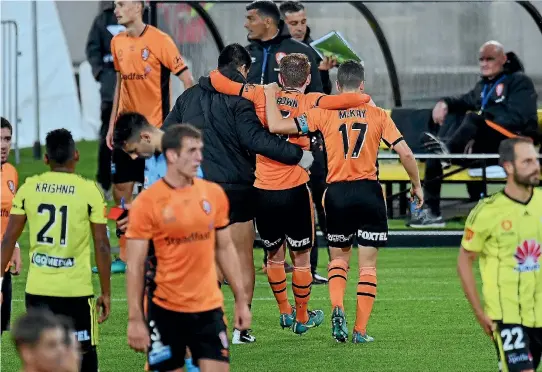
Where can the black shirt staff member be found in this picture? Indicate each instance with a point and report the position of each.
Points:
(233, 135)
(270, 40)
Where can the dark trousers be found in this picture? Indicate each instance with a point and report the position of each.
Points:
(318, 187)
(104, 153)
(486, 141)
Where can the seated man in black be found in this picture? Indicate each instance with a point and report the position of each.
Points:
(502, 105)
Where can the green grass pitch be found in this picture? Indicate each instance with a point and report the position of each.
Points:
(421, 321)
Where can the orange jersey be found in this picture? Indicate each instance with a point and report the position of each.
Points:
(181, 224)
(352, 139)
(145, 64)
(270, 174)
(10, 182)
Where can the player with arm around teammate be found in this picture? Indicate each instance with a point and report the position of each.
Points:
(505, 232)
(354, 204)
(63, 211)
(284, 213)
(186, 220)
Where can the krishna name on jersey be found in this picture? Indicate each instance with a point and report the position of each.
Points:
(507, 235)
(156, 168)
(59, 208)
(145, 64)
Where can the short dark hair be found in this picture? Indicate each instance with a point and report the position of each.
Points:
(60, 146)
(6, 124)
(174, 135)
(507, 148)
(290, 7)
(266, 8)
(128, 127)
(29, 328)
(234, 55)
(350, 74)
(295, 68)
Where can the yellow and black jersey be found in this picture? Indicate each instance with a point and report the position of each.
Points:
(59, 208)
(507, 235)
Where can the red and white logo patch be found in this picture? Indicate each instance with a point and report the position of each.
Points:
(499, 89)
(279, 56)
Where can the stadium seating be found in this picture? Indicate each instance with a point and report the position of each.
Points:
(393, 173)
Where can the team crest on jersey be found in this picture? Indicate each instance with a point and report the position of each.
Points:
(499, 89)
(145, 53)
(206, 206)
(168, 214)
(469, 234)
(527, 255)
(279, 56)
(11, 186)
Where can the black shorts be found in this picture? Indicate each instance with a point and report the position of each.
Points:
(81, 310)
(125, 169)
(171, 332)
(356, 213)
(285, 215)
(518, 348)
(242, 201)
(6, 302)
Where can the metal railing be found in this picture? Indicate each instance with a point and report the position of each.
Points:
(10, 78)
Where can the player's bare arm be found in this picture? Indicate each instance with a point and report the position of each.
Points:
(228, 261)
(102, 251)
(13, 232)
(138, 334)
(109, 137)
(275, 121)
(187, 79)
(465, 263)
(411, 167)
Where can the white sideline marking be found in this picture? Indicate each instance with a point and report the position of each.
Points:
(349, 298)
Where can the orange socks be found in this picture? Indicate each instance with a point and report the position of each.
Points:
(337, 273)
(277, 279)
(366, 298)
(301, 285)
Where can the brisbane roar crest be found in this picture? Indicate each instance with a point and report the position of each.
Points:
(206, 206)
(145, 54)
(11, 186)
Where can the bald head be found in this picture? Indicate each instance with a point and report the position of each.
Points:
(492, 59)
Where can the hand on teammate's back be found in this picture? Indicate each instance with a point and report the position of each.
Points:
(243, 316)
(138, 335)
(306, 160)
(103, 307)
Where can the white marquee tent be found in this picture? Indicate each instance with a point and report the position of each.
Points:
(58, 102)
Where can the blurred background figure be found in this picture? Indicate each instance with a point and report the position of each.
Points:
(98, 52)
(40, 340)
